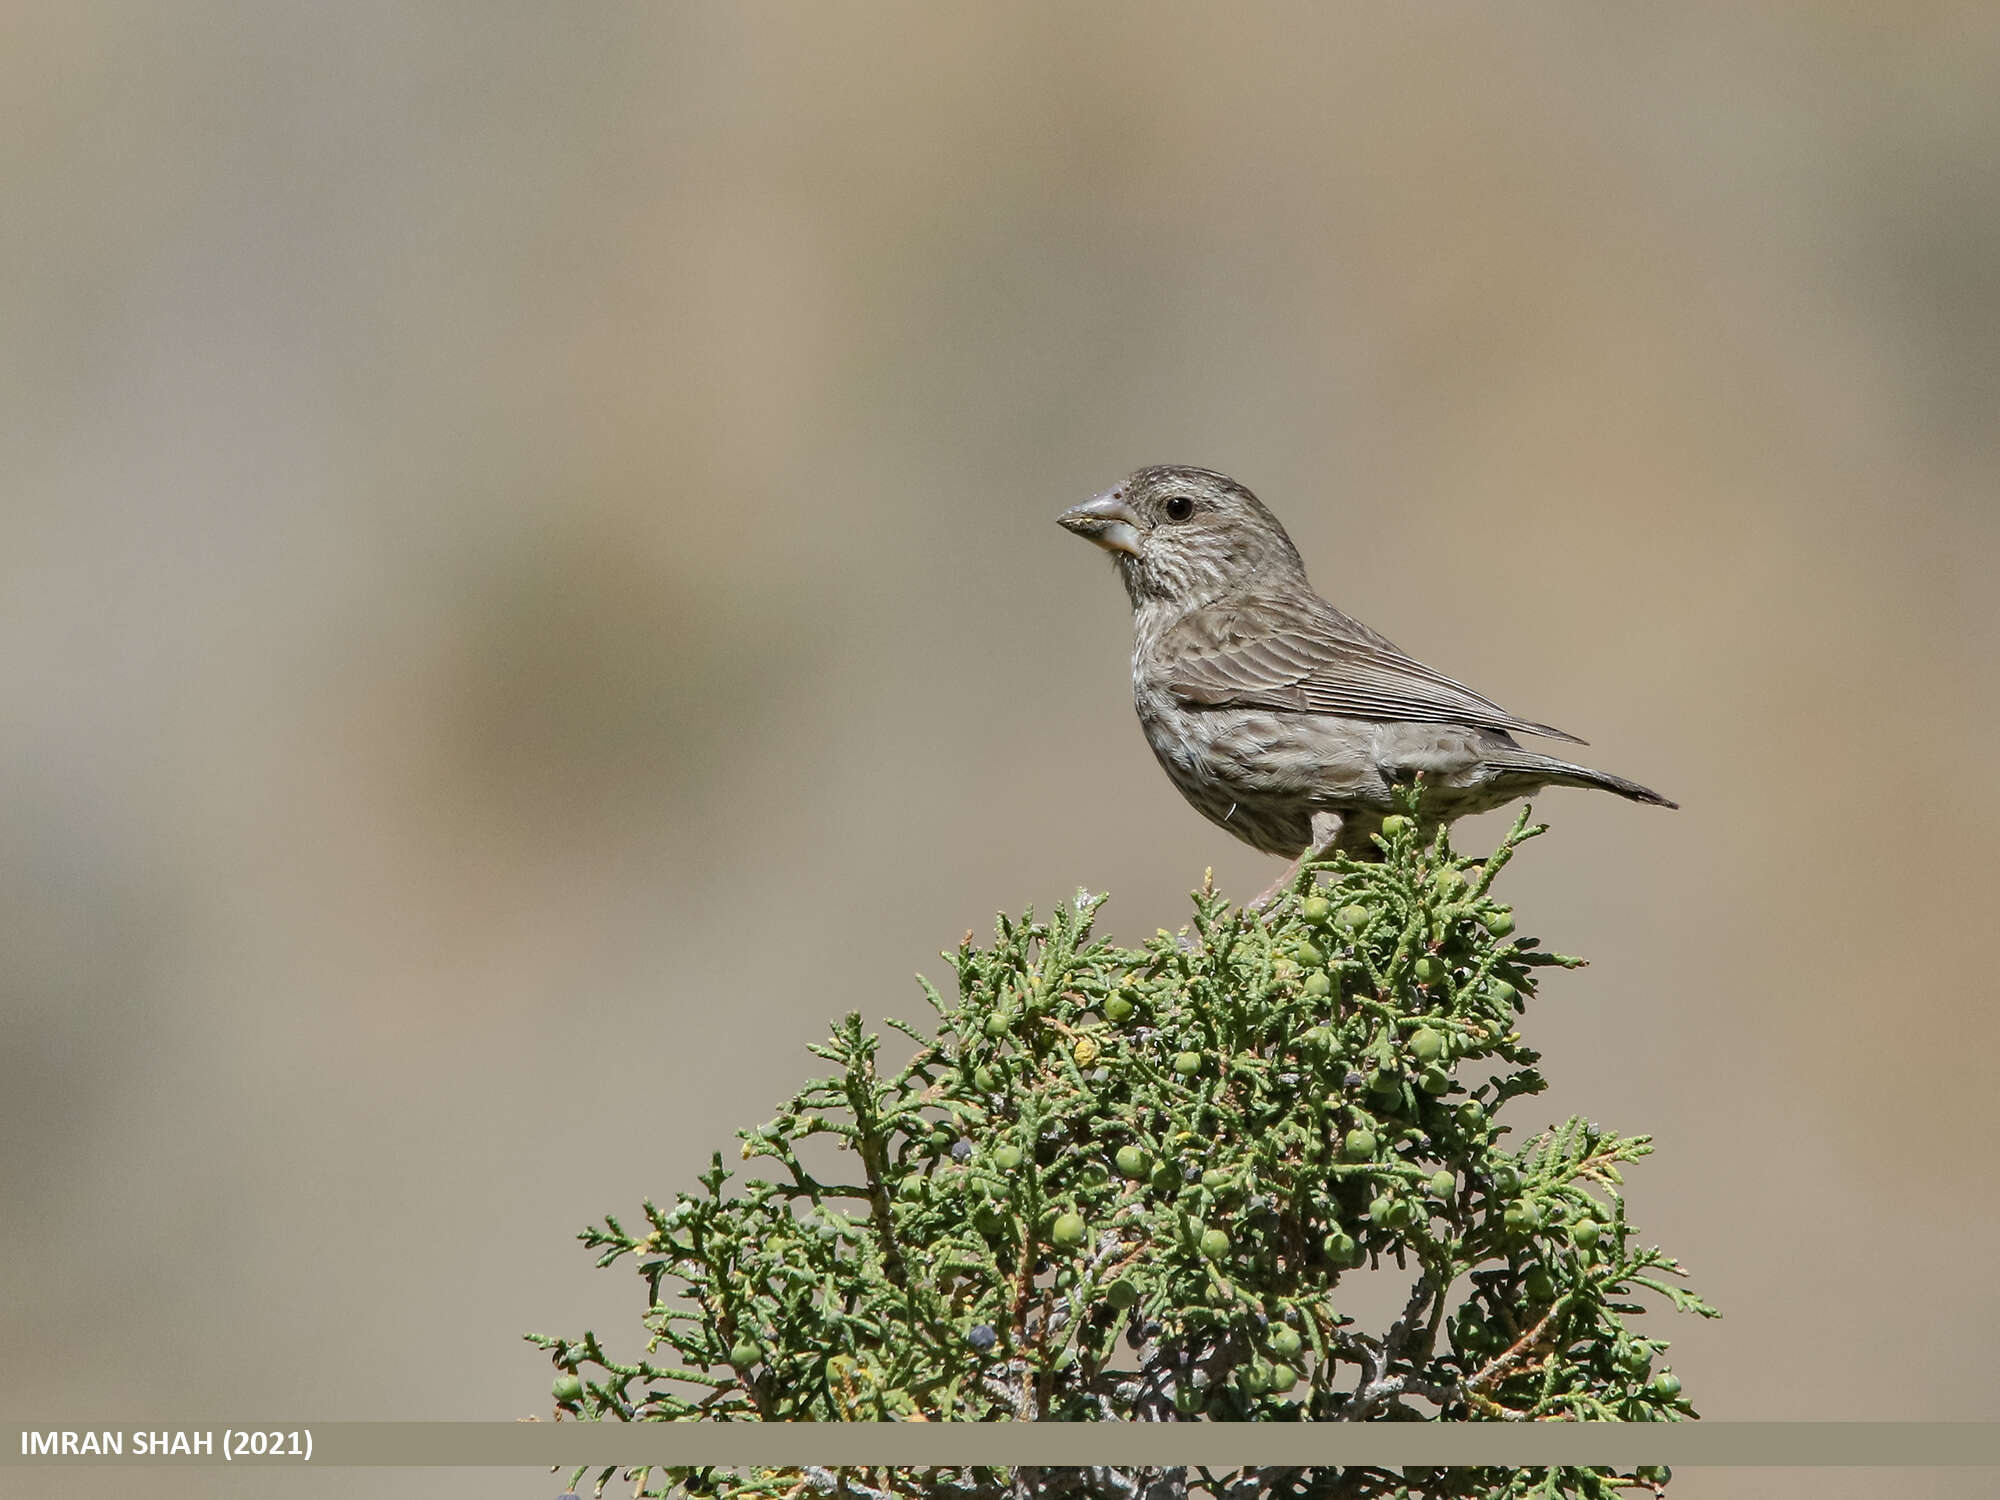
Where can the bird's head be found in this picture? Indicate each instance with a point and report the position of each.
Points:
(1183, 536)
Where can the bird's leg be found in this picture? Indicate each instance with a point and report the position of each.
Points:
(1326, 828)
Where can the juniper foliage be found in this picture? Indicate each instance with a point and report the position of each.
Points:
(1135, 1184)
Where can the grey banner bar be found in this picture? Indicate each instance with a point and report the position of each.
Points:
(1054, 1444)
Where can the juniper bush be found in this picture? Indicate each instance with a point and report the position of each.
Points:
(1144, 1183)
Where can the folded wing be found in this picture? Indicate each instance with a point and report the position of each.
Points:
(1271, 655)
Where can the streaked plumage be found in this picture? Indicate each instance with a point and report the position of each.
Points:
(1277, 716)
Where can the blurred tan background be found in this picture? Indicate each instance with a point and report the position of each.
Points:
(508, 508)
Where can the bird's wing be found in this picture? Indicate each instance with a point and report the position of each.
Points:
(1276, 656)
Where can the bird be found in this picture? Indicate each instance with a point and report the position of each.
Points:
(1284, 721)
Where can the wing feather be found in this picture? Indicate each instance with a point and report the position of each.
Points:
(1272, 655)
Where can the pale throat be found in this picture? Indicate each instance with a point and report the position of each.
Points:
(1169, 593)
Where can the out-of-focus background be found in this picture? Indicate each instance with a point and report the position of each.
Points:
(529, 584)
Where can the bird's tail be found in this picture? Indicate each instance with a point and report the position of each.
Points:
(1564, 773)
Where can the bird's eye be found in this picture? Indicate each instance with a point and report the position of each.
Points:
(1179, 508)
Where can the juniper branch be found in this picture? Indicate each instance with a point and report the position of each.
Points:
(1194, 1142)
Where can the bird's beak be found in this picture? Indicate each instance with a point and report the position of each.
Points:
(1107, 521)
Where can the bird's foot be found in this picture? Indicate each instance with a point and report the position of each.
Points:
(1277, 889)
(1326, 828)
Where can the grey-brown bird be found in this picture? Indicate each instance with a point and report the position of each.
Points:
(1277, 716)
